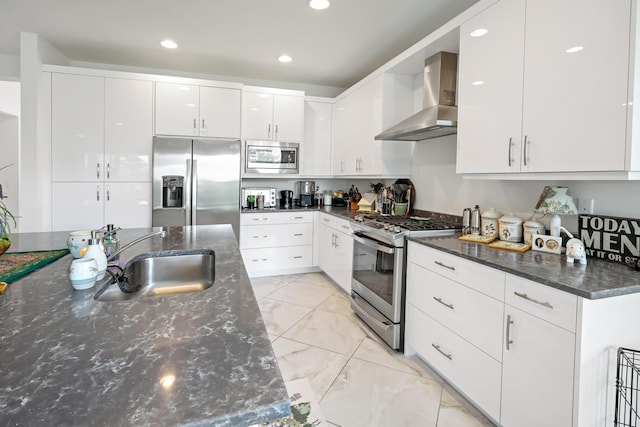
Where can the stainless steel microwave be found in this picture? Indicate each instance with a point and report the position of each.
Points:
(271, 157)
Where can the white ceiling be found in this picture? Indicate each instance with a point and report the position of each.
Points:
(336, 47)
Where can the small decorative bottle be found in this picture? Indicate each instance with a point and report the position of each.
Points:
(111, 242)
(95, 251)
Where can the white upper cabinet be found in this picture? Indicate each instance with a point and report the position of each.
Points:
(545, 88)
(361, 115)
(192, 110)
(316, 148)
(77, 128)
(271, 116)
(128, 130)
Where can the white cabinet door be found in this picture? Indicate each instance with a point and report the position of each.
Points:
(177, 109)
(316, 148)
(537, 378)
(128, 130)
(288, 118)
(336, 255)
(128, 204)
(490, 89)
(77, 128)
(574, 103)
(77, 206)
(342, 151)
(219, 112)
(257, 115)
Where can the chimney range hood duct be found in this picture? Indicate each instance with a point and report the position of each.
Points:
(439, 114)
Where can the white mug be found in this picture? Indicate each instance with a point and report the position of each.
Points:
(83, 273)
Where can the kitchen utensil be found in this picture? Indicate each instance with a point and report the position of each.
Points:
(400, 208)
(475, 220)
(286, 199)
(466, 221)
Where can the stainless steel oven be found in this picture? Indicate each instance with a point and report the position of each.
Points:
(271, 157)
(377, 287)
(379, 270)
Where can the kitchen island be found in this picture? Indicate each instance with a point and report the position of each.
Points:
(193, 359)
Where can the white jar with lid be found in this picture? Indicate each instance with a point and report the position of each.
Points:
(511, 228)
(530, 228)
(489, 222)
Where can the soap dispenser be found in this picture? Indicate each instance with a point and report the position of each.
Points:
(111, 242)
(95, 251)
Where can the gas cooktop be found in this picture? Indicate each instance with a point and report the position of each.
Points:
(393, 229)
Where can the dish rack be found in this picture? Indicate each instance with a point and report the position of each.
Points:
(627, 388)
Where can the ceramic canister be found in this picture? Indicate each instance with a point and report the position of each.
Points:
(510, 228)
(77, 241)
(530, 228)
(489, 222)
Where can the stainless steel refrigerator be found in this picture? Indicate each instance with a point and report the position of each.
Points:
(196, 181)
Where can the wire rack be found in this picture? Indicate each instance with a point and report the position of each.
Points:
(627, 388)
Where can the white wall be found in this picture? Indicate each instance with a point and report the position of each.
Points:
(439, 188)
(9, 67)
(10, 142)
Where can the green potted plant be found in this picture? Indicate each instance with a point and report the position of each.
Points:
(6, 218)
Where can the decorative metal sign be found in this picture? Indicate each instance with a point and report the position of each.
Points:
(610, 238)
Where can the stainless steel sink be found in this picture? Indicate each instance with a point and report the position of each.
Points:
(161, 274)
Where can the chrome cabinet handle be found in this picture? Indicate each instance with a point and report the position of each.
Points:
(108, 193)
(346, 227)
(524, 151)
(341, 165)
(326, 220)
(528, 298)
(437, 347)
(296, 257)
(296, 217)
(98, 170)
(508, 334)
(195, 124)
(510, 144)
(108, 170)
(269, 131)
(98, 193)
(441, 264)
(203, 124)
(276, 131)
(258, 260)
(443, 303)
(296, 234)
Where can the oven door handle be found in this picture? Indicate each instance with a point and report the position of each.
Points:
(374, 245)
(387, 325)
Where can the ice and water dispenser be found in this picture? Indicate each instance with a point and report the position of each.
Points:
(172, 191)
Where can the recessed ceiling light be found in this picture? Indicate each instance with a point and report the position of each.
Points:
(574, 49)
(169, 44)
(319, 4)
(479, 32)
(285, 58)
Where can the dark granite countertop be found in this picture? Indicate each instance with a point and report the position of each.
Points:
(598, 279)
(70, 360)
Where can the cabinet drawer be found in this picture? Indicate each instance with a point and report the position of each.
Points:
(275, 218)
(544, 302)
(273, 259)
(267, 236)
(484, 279)
(472, 371)
(470, 314)
(339, 224)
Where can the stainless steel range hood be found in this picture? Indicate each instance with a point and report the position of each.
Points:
(439, 115)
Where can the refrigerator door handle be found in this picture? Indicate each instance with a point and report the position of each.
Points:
(187, 196)
(194, 192)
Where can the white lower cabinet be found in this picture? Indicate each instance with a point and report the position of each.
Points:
(276, 242)
(335, 247)
(513, 353)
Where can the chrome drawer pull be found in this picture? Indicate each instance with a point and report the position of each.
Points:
(437, 347)
(325, 219)
(508, 334)
(441, 264)
(443, 303)
(296, 234)
(528, 298)
(296, 257)
(296, 217)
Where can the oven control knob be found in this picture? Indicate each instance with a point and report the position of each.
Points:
(396, 229)
(386, 226)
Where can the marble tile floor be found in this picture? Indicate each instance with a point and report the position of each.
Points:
(357, 379)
